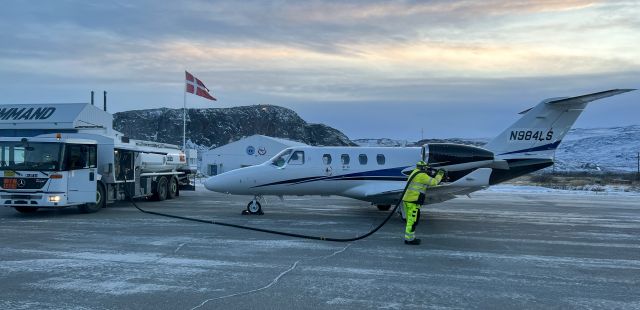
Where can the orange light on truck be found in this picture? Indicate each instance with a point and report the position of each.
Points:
(55, 176)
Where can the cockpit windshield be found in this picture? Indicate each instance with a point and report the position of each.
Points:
(31, 156)
(280, 159)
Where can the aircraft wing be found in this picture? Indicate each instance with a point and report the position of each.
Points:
(474, 181)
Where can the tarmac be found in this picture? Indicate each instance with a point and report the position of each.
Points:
(496, 250)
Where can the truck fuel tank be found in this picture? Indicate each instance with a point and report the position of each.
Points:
(158, 162)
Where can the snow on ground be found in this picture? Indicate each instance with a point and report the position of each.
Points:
(595, 190)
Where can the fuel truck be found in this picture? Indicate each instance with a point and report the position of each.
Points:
(62, 155)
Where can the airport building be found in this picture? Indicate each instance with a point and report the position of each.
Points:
(246, 152)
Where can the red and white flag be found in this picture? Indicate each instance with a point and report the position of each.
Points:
(195, 86)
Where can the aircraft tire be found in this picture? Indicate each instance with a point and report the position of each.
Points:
(254, 208)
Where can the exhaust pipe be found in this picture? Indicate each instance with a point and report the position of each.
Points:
(92, 97)
(104, 100)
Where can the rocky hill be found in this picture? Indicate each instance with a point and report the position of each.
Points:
(209, 128)
(600, 149)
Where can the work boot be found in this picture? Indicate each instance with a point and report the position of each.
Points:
(412, 242)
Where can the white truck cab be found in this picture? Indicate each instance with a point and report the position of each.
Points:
(49, 172)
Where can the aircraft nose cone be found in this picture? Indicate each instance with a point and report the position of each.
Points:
(214, 184)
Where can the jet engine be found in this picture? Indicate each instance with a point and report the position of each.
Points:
(456, 157)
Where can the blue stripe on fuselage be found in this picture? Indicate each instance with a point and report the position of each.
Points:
(546, 147)
(390, 174)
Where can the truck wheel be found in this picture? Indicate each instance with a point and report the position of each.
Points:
(173, 188)
(101, 196)
(99, 204)
(26, 209)
(384, 207)
(160, 193)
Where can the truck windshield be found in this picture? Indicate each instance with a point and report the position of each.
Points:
(281, 158)
(30, 156)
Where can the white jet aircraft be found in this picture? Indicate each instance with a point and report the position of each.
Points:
(378, 174)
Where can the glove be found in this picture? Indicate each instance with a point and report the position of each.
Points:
(431, 172)
(443, 173)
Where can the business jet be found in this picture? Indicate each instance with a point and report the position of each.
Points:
(378, 174)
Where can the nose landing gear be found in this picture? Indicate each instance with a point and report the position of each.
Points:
(254, 207)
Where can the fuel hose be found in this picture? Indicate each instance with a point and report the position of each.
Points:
(275, 232)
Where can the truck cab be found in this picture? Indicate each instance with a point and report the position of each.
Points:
(49, 173)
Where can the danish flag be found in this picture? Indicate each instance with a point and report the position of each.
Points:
(195, 86)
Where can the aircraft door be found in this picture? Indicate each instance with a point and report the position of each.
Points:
(81, 162)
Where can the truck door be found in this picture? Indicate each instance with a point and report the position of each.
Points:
(81, 162)
(125, 164)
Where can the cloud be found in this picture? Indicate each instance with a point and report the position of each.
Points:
(350, 12)
(312, 52)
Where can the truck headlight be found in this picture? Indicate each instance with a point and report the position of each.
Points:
(54, 198)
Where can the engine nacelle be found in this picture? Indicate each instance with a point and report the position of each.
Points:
(456, 157)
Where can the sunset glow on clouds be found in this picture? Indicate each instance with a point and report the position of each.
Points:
(303, 54)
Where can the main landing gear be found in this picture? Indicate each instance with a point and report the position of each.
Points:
(254, 207)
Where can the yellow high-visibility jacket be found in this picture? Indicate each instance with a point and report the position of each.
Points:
(419, 184)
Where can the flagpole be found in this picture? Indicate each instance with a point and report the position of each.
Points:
(184, 119)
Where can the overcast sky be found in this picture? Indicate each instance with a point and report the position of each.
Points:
(369, 68)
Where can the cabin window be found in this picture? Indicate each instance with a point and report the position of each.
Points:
(380, 158)
(281, 158)
(326, 159)
(363, 159)
(297, 158)
(345, 159)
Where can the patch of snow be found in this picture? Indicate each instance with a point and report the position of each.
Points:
(112, 287)
(587, 190)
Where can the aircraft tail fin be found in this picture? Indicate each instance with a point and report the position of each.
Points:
(541, 129)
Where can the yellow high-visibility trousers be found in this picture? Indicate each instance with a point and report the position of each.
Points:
(411, 211)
